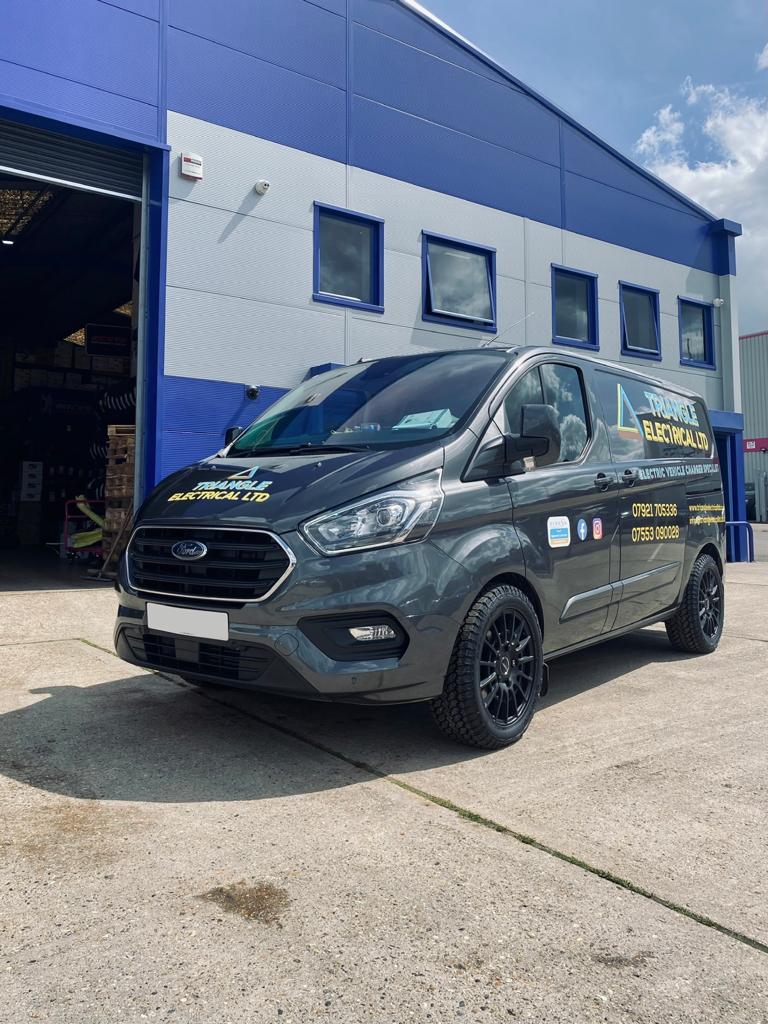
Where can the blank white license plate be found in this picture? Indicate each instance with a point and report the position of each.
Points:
(188, 622)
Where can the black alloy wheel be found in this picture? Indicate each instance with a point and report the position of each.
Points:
(495, 674)
(506, 668)
(697, 625)
(710, 604)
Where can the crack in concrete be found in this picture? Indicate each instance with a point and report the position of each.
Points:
(53, 640)
(472, 816)
(479, 819)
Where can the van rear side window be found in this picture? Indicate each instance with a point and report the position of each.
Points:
(649, 422)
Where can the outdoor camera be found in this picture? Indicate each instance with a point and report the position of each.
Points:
(252, 391)
(261, 186)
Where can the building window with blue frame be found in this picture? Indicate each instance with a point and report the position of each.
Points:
(574, 308)
(640, 331)
(697, 346)
(349, 259)
(459, 283)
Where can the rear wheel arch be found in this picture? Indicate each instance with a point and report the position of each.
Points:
(714, 553)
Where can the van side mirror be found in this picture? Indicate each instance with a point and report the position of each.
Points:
(231, 434)
(540, 437)
(502, 455)
(490, 462)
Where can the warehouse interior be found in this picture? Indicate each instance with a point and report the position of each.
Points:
(68, 356)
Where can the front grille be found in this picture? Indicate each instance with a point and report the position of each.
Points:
(240, 565)
(245, 663)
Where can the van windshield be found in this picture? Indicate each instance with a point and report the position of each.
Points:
(389, 403)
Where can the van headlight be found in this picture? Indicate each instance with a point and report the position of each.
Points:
(406, 512)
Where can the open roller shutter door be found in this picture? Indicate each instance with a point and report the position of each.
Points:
(59, 158)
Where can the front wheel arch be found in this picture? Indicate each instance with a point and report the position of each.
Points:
(513, 579)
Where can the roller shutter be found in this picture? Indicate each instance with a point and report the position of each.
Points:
(41, 154)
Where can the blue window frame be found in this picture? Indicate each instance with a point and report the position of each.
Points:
(348, 259)
(458, 283)
(697, 333)
(640, 328)
(574, 308)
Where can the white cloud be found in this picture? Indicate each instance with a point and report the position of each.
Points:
(664, 136)
(762, 59)
(733, 183)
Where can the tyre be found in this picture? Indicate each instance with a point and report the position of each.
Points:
(697, 625)
(495, 673)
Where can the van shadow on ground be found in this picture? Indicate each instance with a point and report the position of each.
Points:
(144, 738)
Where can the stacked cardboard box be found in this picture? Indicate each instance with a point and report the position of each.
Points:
(118, 490)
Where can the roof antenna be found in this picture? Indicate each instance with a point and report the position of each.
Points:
(490, 341)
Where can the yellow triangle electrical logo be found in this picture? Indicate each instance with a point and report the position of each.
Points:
(244, 474)
(626, 417)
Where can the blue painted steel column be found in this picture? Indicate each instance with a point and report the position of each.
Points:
(154, 398)
(729, 435)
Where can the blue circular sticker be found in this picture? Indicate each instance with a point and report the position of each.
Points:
(581, 529)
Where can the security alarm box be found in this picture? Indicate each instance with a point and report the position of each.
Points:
(192, 166)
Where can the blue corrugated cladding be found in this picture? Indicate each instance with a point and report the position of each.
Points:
(85, 61)
(276, 69)
(198, 412)
(422, 108)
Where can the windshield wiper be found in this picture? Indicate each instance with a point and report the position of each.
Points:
(300, 449)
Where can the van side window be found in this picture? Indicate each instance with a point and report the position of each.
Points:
(527, 391)
(563, 390)
(646, 421)
(559, 386)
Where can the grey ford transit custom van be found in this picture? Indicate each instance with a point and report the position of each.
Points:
(433, 527)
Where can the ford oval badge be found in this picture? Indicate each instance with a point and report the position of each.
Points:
(189, 550)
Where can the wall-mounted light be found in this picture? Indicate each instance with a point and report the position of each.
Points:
(261, 187)
(718, 303)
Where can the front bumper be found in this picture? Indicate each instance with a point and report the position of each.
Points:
(271, 649)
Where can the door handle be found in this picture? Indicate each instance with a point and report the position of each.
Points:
(602, 481)
(629, 476)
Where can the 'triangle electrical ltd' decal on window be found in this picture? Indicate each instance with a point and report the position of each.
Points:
(670, 420)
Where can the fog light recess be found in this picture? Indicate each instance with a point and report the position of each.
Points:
(366, 634)
(357, 636)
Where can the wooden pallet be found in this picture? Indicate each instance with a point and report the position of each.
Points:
(121, 463)
(115, 512)
(118, 490)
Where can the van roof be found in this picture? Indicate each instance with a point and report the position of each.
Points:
(629, 371)
(516, 352)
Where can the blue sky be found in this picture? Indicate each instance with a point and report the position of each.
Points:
(678, 85)
(589, 56)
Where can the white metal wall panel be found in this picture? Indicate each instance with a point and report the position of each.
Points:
(613, 264)
(233, 162)
(543, 247)
(372, 339)
(222, 337)
(218, 251)
(408, 210)
(244, 264)
(538, 310)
